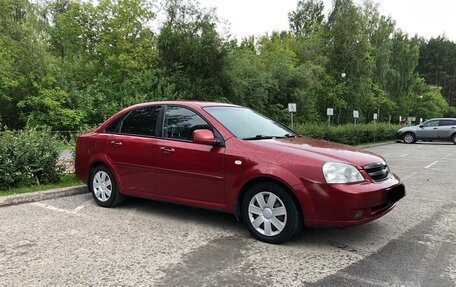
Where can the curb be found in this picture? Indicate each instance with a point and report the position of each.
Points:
(375, 145)
(41, 195)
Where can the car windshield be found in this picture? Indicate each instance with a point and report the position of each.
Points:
(247, 124)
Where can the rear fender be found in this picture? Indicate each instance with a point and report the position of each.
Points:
(108, 162)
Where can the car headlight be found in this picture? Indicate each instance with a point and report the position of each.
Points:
(336, 172)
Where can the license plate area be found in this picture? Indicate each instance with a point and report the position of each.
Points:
(395, 194)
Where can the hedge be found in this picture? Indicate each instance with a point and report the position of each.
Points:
(349, 134)
(28, 157)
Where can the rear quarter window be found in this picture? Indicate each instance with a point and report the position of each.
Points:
(114, 127)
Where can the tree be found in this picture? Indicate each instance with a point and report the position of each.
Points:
(350, 56)
(437, 64)
(402, 77)
(307, 17)
(192, 55)
(429, 102)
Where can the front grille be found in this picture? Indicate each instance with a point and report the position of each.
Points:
(378, 171)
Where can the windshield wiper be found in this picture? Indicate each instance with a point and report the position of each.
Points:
(262, 137)
(259, 137)
(290, 136)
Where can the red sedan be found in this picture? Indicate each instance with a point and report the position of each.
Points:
(232, 159)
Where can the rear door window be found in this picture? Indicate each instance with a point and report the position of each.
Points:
(142, 121)
(447, 123)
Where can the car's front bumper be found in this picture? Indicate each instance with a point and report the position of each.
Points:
(399, 135)
(343, 205)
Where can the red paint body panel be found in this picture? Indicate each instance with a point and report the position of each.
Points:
(213, 176)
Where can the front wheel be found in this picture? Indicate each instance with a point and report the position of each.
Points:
(454, 138)
(104, 188)
(270, 213)
(409, 138)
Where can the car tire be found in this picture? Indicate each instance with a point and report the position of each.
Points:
(453, 138)
(103, 186)
(409, 138)
(270, 213)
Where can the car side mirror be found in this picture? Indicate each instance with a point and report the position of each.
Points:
(204, 137)
(421, 126)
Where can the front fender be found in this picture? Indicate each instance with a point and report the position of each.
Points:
(276, 173)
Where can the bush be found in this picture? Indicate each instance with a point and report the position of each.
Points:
(28, 157)
(349, 134)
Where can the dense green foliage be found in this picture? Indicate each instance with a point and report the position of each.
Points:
(350, 134)
(67, 64)
(27, 158)
(438, 66)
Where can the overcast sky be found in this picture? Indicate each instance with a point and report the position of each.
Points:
(256, 17)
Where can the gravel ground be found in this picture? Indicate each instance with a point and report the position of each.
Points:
(71, 242)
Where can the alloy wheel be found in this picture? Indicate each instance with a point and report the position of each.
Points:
(408, 138)
(267, 213)
(102, 186)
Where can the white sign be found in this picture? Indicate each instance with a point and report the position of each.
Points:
(329, 111)
(375, 116)
(356, 114)
(292, 108)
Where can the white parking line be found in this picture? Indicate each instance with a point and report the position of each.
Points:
(404, 155)
(53, 208)
(431, 164)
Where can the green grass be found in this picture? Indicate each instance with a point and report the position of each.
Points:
(67, 180)
(65, 146)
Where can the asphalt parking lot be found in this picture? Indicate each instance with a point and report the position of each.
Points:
(70, 241)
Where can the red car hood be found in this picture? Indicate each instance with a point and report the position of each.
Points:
(323, 150)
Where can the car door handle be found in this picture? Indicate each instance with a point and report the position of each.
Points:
(453, 127)
(436, 128)
(166, 150)
(116, 143)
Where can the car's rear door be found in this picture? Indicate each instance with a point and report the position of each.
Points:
(446, 129)
(429, 131)
(131, 149)
(188, 170)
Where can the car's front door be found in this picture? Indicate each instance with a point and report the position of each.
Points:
(428, 130)
(185, 169)
(446, 129)
(130, 147)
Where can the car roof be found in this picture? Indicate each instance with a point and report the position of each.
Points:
(439, 119)
(184, 103)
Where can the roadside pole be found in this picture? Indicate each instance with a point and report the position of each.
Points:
(355, 115)
(291, 110)
(329, 113)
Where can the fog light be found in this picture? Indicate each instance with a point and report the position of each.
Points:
(359, 214)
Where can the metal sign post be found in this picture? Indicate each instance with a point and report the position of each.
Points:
(355, 115)
(291, 110)
(329, 113)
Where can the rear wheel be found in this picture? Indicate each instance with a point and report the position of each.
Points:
(454, 138)
(270, 213)
(103, 186)
(409, 138)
